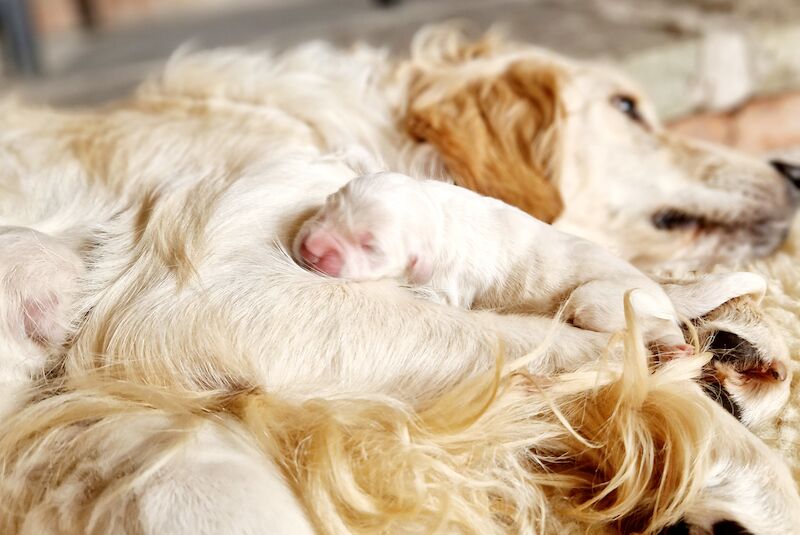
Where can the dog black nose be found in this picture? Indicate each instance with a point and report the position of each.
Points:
(789, 170)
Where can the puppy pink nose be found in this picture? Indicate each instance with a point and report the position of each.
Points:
(322, 251)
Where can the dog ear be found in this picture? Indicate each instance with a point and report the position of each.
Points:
(497, 135)
(696, 298)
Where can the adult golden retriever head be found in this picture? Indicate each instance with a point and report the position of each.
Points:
(580, 146)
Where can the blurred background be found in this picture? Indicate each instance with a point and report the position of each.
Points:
(724, 70)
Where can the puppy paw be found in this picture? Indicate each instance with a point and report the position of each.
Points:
(749, 373)
(750, 384)
(665, 353)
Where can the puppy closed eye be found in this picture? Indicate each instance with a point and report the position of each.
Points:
(368, 244)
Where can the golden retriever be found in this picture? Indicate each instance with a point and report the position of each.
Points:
(580, 146)
(207, 383)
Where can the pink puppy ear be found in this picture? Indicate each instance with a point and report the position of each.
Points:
(40, 319)
(420, 269)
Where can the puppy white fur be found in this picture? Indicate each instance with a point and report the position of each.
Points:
(477, 252)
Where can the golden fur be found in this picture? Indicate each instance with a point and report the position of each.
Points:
(488, 456)
(498, 127)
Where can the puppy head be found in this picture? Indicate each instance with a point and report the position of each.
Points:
(377, 226)
(580, 146)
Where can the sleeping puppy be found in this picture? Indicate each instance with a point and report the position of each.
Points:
(38, 277)
(476, 251)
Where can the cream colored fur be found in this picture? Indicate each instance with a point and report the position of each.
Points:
(781, 307)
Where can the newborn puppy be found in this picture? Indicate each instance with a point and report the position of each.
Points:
(479, 252)
(38, 278)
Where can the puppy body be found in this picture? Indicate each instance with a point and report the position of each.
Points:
(476, 252)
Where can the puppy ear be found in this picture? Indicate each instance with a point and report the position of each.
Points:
(38, 279)
(497, 135)
(698, 297)
(40, 319)
(420, 269)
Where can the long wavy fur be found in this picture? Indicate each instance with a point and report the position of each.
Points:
(614, 443)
